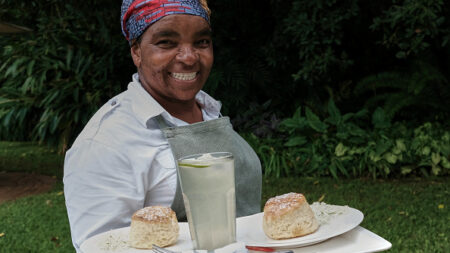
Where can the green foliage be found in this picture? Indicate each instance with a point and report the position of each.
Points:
(314, 31)
(53, 79)
(394, 54)
(410, 26)
(346, 145)
(240, 75)
(408, 92)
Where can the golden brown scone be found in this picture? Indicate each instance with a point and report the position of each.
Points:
(153, 225)
(288, 216)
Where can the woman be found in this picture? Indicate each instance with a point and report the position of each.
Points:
(124, 159)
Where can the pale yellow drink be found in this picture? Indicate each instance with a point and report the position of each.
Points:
(207, 182)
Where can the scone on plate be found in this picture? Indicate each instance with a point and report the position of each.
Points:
(153, 225)
(288, 216)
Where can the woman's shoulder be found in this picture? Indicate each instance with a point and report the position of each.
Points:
(117, 125)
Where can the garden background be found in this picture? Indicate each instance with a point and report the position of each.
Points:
(352, 93)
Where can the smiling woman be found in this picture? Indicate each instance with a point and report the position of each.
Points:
(125, 157)
(174, 57)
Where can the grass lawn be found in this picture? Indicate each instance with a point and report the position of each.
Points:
(412, 214)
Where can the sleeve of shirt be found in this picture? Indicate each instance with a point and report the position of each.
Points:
(100, 190)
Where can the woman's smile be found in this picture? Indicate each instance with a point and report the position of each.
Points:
(184, 76)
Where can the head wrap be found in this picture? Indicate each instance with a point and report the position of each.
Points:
(137, 15)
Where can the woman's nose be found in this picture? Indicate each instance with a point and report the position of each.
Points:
(187, 55)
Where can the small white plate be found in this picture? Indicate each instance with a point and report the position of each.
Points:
(250, 231)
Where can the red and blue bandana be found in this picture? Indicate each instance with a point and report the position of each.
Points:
(137, 15)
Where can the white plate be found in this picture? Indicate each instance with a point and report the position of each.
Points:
(250, 231)
(117, 241)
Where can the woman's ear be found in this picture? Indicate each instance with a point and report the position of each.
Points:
(136, 54)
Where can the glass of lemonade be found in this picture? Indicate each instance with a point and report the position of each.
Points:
(207, 183)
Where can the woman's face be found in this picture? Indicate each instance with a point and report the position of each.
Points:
(174, 57)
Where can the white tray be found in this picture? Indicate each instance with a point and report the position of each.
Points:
(358, 240)
(341, 234)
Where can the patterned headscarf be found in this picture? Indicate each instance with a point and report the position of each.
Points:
(137, 15)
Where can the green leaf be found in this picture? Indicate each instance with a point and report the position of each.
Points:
(296, 141)
(435, 158)
(374, 157)
(406, 169)
(294, 124)
(355, 130)
(361, 113)
(335, 114)
(21, 115)
(426, 151)
(400, 144)
(342, 135)
(298, 113)
(30, 67)
(314, 121)
(69, 57)
(48, 100)
(341, 167)
(333, 170)
(5, 102)
(387, 170)
(7, 118)
(445, 162)
(435, 169)
(54, 124)
(390, 158)
(381, 147)
(379, 119)
(12, 70)
(28, 83)
(340, 149)
(400, 54)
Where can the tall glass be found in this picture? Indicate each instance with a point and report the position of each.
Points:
(207, 183)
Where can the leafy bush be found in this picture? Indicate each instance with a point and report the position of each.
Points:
(410, 26)
(408, 93)
(240, 75)
(345, 145)
(53, 79)
(393, 54)
(314, 31)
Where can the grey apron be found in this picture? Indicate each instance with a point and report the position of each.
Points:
(217, 135)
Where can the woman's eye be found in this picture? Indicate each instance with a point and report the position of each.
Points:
(204, 43)
(165, 43)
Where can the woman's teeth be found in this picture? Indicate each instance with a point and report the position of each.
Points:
(184, 76)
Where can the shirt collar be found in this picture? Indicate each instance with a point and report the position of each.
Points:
(146, 107)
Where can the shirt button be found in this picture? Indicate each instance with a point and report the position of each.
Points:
(113, 103)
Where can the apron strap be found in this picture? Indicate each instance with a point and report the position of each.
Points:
(161, 122)
(178, 202)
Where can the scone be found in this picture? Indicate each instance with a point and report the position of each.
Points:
(153, 225)
(288, 216)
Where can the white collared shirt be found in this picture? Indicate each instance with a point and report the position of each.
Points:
(121, 162)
